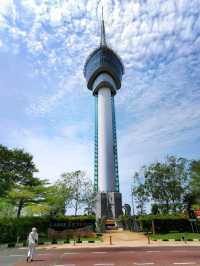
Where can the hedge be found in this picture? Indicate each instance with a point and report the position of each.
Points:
(165, 224)
(13, 229)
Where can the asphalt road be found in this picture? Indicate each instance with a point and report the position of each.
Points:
(158, 256)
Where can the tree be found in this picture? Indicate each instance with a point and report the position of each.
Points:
(155, 209)
(141, 198)
(56, 200)
(195, 178)
(166, 183)
(16, 167)
(5, 170)
(192, 198)
(23, 195)
(6, 208)
(79, 186)
(59, 197)
(139, 193)
(90, 198)
(37, 209)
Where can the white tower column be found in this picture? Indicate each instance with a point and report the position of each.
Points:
(106, 172)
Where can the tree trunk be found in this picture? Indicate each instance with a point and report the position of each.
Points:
(167, 206)
(20, 206)
(76, 207)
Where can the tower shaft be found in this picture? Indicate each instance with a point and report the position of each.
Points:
(106, 167)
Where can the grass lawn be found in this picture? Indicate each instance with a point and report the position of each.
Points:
(98, 238)
(176, 236)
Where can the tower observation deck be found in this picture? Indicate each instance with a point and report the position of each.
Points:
(103, 72)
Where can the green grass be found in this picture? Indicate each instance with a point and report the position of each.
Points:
(176, 236)
(98, 238)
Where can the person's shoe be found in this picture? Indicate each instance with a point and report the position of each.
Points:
(27, 259)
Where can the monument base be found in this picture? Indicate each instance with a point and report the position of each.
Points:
(108, 205)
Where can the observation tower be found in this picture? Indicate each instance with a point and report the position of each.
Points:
(103, 72)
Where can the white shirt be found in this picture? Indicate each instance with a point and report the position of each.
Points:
(32, 238)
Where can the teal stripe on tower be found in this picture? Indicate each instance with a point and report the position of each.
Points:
(96, 146)
(115, 146)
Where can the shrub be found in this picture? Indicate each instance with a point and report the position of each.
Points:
(11, 245)
(12, 229)
(24, 243)
(165, 224)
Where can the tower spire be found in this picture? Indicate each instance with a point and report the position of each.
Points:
(103, 32)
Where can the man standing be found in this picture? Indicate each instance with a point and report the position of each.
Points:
(32, 241)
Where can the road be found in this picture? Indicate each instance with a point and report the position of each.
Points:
(158, 256)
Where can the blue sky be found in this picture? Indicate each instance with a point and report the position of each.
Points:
(46, 108)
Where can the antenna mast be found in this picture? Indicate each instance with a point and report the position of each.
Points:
(103, 32)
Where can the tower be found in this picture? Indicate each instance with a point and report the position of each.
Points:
(103, 72)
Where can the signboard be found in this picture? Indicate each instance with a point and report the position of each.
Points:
(63, 225)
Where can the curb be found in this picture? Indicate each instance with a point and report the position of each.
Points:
(176, 240)
(20, 245)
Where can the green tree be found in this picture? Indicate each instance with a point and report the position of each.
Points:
(6, 208)
(167, 182)
(89, 199)
(139, 193)
(5, 170)
(155, 209)
(195, 178)
(141, 197)
(59, 197)
(78, 184)
(16, 167)
(23, 195)
(37, 209)
(192, 198)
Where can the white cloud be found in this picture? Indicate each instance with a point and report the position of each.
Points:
(5, 6)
